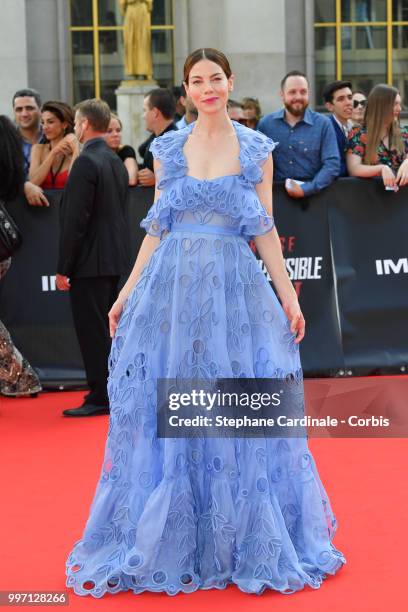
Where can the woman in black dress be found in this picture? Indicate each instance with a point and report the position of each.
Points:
(126, 153)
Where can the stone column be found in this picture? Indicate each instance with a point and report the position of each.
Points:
(130, 95)
(310, 49)
(13, 52)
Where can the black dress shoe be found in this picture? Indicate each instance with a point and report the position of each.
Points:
(86, 410)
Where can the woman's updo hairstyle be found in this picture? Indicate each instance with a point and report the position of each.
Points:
(206, 53)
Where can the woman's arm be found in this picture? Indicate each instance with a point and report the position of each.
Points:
(149, 245)
(356, 168)
(74, 143)
(132, 168)
(270, 250)
(39, 168)
(402, 174)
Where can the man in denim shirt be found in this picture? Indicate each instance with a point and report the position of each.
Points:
(307, 157)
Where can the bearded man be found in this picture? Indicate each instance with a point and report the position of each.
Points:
(307, 157)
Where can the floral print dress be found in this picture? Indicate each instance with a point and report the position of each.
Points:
(390, 157)
(17, 377)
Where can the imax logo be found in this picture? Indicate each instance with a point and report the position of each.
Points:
(388, 266)
(48, 283)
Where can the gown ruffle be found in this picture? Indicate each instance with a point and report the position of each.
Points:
(181, 514)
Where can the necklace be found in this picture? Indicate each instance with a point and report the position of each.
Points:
(58, 170)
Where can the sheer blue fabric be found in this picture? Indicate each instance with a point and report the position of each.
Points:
(225, 202)
(183, 514)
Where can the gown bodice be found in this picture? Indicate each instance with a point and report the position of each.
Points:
(55, 181)
(226, 204)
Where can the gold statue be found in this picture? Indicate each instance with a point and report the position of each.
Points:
(137, 35)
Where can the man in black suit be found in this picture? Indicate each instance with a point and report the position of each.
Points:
(93, 250)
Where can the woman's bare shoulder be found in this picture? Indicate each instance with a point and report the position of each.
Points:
(40, 149)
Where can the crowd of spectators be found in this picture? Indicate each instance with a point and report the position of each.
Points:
(358, 136)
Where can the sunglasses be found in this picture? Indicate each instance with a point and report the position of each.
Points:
(362, 103)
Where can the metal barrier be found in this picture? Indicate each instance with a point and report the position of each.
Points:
(345, 252)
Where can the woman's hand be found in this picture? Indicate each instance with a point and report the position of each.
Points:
(35, 195)
(402, 174)
(72, 141)
(388, 177)
(114, 315)
(297, 321)
(64, 147)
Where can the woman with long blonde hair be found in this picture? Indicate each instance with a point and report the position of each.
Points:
(380, 146)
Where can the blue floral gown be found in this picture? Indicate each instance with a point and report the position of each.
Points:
(181, 514)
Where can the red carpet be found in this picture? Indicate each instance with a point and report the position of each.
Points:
(50, 466)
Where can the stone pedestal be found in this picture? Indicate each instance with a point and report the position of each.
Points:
(130, 95)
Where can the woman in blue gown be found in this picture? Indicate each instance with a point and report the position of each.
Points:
(181, 514)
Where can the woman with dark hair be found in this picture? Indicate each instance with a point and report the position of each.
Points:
(17, 377)
(177, 511)
(359, 100)
(252, 112)
(380, 146)
(52, 161)
(11, 160)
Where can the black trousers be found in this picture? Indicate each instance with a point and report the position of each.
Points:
(91, 300)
